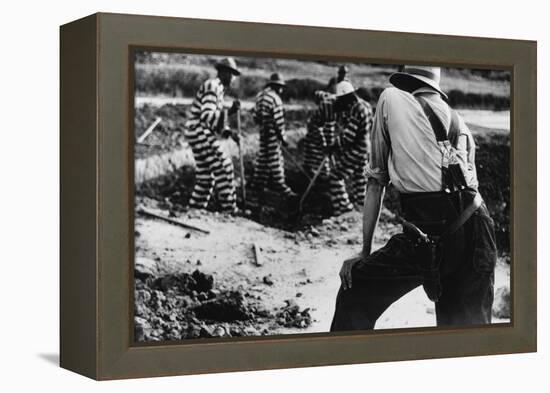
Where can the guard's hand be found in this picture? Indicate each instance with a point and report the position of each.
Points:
(345, 271)
(235, 107)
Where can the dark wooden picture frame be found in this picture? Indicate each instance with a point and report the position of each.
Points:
(97, 196)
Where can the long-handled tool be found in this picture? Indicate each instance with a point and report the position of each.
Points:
(241, 157)
(311, 184)
(149, 130)
(169, 220)
(296, 164)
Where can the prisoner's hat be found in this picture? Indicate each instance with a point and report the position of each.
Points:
(276, 80)
(230, 64)
(408, 79)
(344, 88)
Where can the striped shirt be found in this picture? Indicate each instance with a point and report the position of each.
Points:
(324, 118)
(355, 134)
(207, 106)
(269, 113)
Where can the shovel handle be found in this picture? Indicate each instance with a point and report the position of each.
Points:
(312, 182)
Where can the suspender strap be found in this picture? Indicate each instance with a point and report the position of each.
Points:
(437, 126)
(452, 177)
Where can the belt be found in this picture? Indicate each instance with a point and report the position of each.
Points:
(428, 248)
(451, 228)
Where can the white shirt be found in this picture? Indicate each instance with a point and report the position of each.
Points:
(404, 150)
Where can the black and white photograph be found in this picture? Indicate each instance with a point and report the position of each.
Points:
(277, 196)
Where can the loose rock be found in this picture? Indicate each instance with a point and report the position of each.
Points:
(268, 280)
(501, 305)
(145, 268)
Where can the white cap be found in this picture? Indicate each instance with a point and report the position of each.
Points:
(343, 88)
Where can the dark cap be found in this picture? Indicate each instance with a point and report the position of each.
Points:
(276, 79)
(229, 64)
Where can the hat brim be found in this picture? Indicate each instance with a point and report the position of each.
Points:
(410, 82)
(272, 83)
(234, 71)
(348, 94)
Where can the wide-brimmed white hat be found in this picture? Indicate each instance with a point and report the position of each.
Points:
(408, 78)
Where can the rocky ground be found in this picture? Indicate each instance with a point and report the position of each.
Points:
(189, 284)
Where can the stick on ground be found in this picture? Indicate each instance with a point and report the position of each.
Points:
(257, 255)
(149, 130)
(148, 213)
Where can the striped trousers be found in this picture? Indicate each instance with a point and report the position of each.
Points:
(349, 166)
(214, 169)
(269, 168)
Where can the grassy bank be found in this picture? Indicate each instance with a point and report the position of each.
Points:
(180, 75)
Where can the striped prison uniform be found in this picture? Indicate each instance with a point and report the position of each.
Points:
(214, 167)
(269, 166)
(351, 161)
(321, 129)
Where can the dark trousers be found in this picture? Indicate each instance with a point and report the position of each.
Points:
(467, 278)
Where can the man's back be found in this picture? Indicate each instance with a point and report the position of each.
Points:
(208, 102)
(269, 113)
(404, 148)
(357, 126)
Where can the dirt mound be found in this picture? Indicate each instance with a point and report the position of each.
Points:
(492, 156)
(180, 306)
(291, 315)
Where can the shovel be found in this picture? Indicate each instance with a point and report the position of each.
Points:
(310, 185)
